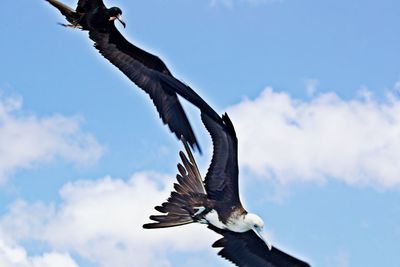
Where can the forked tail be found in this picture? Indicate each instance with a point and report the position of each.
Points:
(189, 199)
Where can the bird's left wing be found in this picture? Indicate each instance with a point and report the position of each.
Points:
(149, 73)
(248, 250)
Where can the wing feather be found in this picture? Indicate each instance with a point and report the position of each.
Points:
(248, 250)
(150, 74)
(221, 180)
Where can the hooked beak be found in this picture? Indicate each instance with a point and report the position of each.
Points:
(261, 235)
(119, 19)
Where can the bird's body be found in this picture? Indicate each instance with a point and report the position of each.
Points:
(239, 220)
(215, 201)
(201, 206)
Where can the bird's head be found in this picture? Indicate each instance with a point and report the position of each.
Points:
(256, 224)
(115, 13)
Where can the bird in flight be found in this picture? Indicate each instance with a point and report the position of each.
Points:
(215, 202)
(146, 70)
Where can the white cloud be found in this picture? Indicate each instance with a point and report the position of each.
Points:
(16, 256)
(102, 221)
(356, 141)
(26, 139)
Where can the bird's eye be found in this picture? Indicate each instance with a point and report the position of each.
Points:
(255, 226)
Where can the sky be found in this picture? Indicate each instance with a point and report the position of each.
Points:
(313, 90)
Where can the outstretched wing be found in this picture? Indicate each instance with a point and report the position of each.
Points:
(248, 250)
(86, 5)
(150, 73)
(221, 180)
(182, 206)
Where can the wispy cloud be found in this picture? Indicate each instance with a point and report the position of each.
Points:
(397, 87)
(26, 139)
(311, 86)
(356, 141)
(342, 259)
(102, 221)
(232, 3)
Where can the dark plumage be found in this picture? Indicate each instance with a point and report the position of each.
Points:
(247, 250)
(215, 202)
(147, 71)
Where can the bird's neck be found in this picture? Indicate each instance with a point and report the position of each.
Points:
(237, 222)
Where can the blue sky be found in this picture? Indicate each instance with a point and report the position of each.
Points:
(313, 91)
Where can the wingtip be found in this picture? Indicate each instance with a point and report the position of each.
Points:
(185, 144)
(198, 148)
(183, 140)
(194, 145)
(149, 226)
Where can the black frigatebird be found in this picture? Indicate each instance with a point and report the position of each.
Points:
(215, 202)
(146, 70)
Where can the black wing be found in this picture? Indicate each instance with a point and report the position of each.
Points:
(248, 250)
(221, 181)
(150, 73)
(86, 5)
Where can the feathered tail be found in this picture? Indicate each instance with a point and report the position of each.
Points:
(188, 201)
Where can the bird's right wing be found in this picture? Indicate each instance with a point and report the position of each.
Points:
(221, 181)
(248, 250)
(150, 73)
